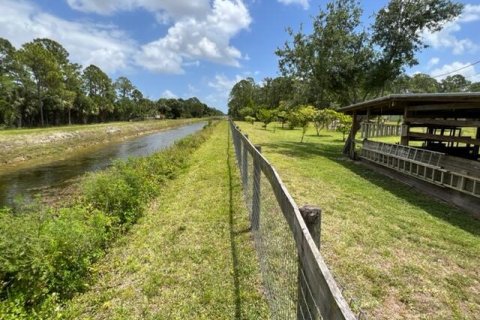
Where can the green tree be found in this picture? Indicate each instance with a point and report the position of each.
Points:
(323, 118)
(243, 94)
(8, 101)
(266, 116)
(398, 32)
(455, 83)
(43, 71)
(344, 124)
(339, 62)
(99, 88)
(423, 83)
(474, 87)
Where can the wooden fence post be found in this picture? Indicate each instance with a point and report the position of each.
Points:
(257, 173)
(245, 163)
(306, 308)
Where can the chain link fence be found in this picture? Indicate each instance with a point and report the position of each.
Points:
(296, 281)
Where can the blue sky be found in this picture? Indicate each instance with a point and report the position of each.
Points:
(184, 48)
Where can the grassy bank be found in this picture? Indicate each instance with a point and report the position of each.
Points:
(189, 257)
(397, 253)
(47, 253)
(25, 147)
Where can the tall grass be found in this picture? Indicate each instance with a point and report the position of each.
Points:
(46, 253)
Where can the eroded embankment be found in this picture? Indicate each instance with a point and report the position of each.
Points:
(27, 147)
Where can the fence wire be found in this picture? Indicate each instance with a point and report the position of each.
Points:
(286, 275)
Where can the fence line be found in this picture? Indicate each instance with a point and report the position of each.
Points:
(296, 280)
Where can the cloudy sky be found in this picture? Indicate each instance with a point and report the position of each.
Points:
(184, 48)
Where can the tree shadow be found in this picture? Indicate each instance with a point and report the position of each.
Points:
(333, 152)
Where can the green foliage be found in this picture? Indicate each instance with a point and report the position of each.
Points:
(340, 62)
(39, 85)
(246, 112)
(323, 118)
(250, 120)
(45, 253)
(266, 116)
(244, 94)
(344, 124)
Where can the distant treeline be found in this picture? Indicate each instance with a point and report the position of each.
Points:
(285, 93)
(40, 86)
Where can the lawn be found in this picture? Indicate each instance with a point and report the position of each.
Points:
(190, 257)
(395, 252)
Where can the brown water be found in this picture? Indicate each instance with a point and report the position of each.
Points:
(26, 183)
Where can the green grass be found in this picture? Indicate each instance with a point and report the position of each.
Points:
(396, 253)
(190, 256)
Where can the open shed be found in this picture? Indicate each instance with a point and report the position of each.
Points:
(439, 142)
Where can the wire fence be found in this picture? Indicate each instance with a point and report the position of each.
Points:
(296, 281)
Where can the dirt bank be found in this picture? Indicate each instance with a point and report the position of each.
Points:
(36, 146)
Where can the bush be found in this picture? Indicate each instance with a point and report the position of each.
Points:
(250, 119)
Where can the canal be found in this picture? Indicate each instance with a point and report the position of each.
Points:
(26, 183)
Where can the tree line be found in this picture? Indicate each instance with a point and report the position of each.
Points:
(342, 62)
(39, 86)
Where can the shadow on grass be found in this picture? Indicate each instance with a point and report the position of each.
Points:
(233, 233)
(333, 152)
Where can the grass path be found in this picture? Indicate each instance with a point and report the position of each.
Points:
(189, 257)
(397, 253)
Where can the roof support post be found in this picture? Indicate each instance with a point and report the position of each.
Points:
(405, 139)
(349, 148)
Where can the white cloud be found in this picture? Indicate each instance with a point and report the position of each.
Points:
(88, 43)
(446, 38)
(467, 71)
(304, 3)
(201, 30)
(193, 38)
(470, 13)
(165, 8)
(169, 94)
(433, 62)
(223, 84)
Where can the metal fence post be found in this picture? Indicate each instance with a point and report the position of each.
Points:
(256, 191)
(306, 308)
(245, 163)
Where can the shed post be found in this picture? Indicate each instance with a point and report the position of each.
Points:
(404, 140)
(306, 308)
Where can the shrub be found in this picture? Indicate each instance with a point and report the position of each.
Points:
(250, 119)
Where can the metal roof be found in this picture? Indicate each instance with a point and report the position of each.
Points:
(396, 103)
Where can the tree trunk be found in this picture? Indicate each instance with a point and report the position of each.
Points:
(40, 104)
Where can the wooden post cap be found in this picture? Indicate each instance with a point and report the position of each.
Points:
(310, 213)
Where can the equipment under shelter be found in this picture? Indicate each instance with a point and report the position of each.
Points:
(438, 148)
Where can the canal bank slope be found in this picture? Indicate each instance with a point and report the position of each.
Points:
(190, 256)
(27, 147)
